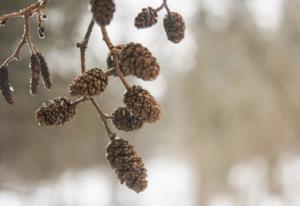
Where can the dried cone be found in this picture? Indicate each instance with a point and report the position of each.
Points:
(127, 164)
(35, 73)
(174, 27)
(5, 85)
(91, 83)
(124, 120)
(146, 18)
(45, 72)
(55, 112)
(142, 104)
(138, 61)
(103, 11)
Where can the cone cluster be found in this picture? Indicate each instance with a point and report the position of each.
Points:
(127, 164)
(91, 83)
(103, 11)
(55, 112)
(35, 73)
(5, 85)
(142, 104)
(174, 26)
(146, 18)
(137, 60)
(124, 120)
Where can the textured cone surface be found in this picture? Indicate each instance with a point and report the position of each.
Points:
(142, 104)
(55, 112)
(174, 26)
(5, 85)
(45, 72)
(146, 18)
(35, 73)
(103, 11)
(124, 120)
(127, 164)
(138, 61)
(91, 83)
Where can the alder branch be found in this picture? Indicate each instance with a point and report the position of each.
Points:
(29, 9)
(84, 43)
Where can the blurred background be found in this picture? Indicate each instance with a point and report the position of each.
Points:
(230, 132)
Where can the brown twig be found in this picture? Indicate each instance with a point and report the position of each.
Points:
(165, 4)
(115, 55)
(29, 9)
(84, 43)
(104, 118)
(25, 13)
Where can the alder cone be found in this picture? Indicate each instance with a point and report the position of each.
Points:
(124, 120)
(146, 18)
(103, 11)
(55, 112)
(35, 73)
(174, 26)
(127, 164)
(142, 104)
(137, 60)
(91, 83)
(5, 85)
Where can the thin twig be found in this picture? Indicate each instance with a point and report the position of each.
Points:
(115, 55)
(29, 9)
(165, 4)
(103, 117)
(84, 43)
(27, 34)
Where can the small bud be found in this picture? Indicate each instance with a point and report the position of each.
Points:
(5, 85)
(3, 22)
(45, 72)
(35, 73)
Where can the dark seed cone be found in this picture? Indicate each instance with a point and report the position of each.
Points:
(45, 71)
(91, 83)
(124, 120)
(127, 164)
(35, 73)
(138, 61)
(55, 112)
(174, 26)
(146, 18)
(5, 85)
(142, 104)
(103, 11)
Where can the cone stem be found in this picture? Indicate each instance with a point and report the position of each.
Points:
(103, 117)
(114, 52)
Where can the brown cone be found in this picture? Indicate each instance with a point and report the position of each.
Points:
(146, 18)
(174, 26)
(142, 104)
(124, 120)
(45, 72)
(5, 85)
(91, 83)
(127, 164)
(55, 112)
(35, 73)
(138, 61)
(103, 11)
